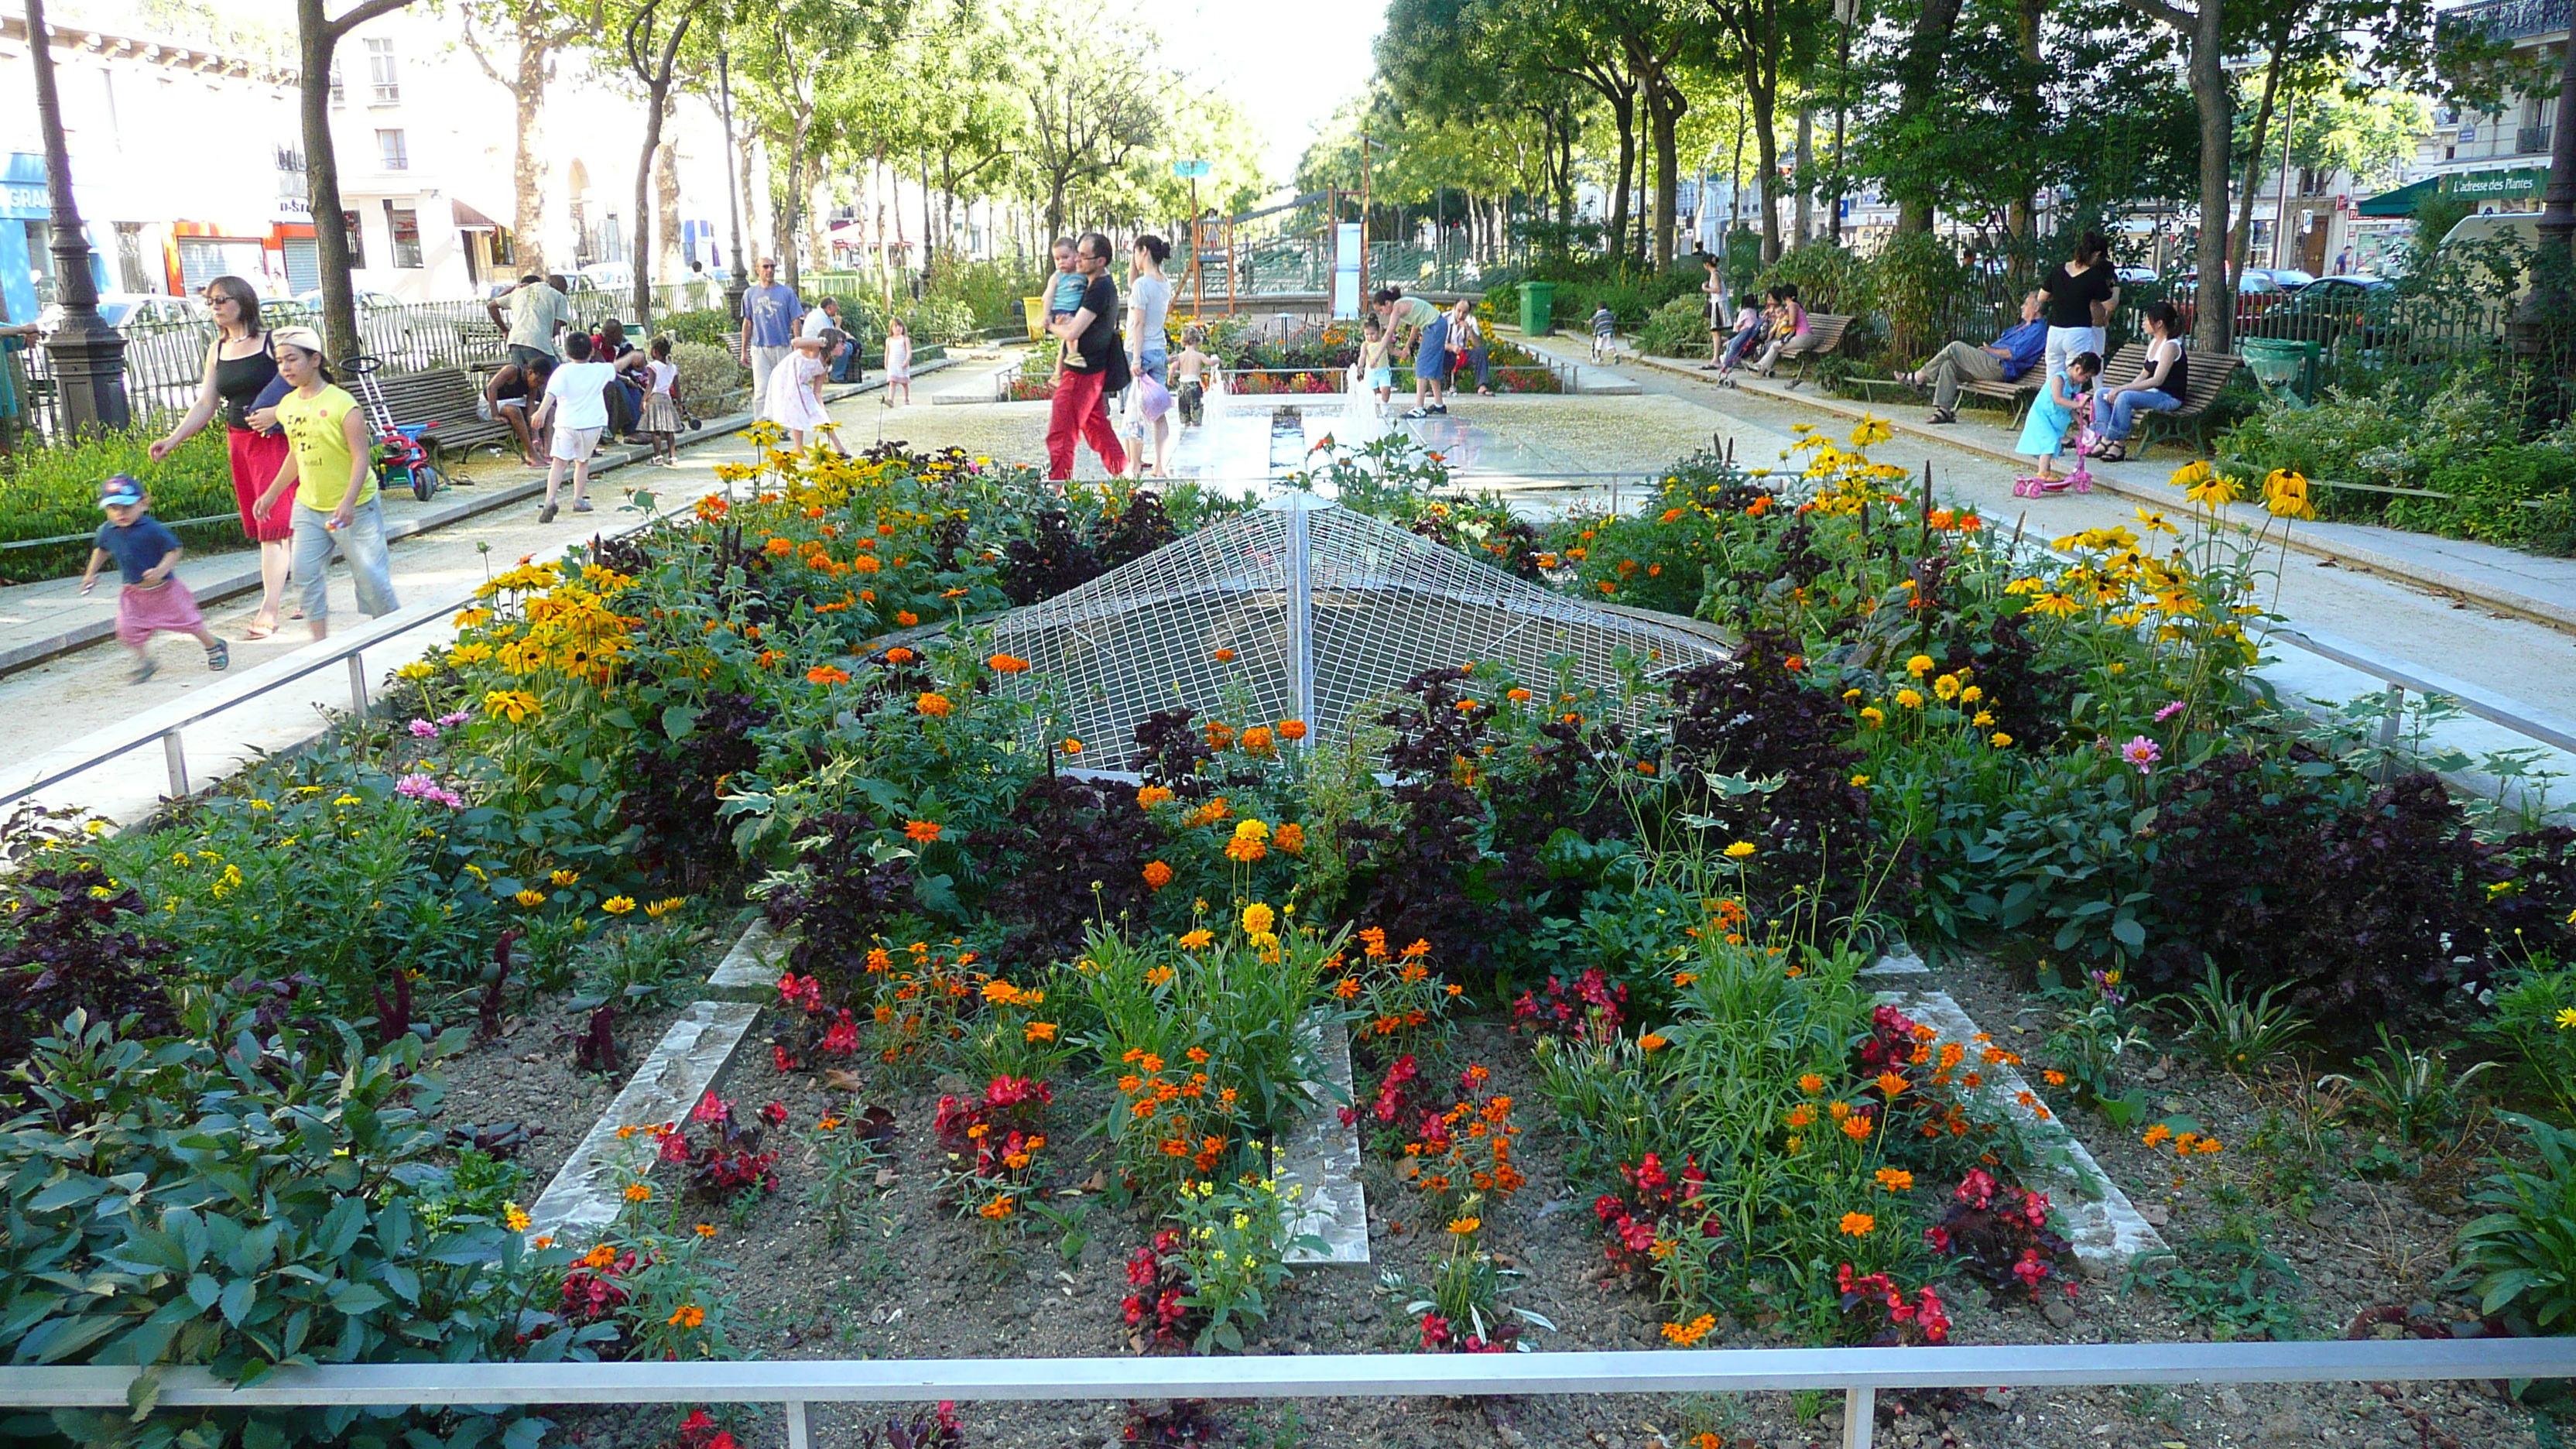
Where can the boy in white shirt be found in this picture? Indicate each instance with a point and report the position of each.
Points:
(577, 403)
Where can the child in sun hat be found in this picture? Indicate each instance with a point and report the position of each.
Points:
(147, 555)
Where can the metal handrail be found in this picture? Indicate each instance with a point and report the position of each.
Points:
(793, 1384)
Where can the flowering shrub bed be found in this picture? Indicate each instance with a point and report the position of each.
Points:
(1062, 994)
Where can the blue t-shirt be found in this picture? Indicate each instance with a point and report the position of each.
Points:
(2026, 343)
(1069, 287)
(773, 314)
(138, 546)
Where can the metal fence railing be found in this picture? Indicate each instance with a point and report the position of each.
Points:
(165, 361)
(1859, 1374)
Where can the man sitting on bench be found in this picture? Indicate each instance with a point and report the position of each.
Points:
(2002, 360)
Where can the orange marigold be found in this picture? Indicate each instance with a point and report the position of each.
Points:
(1292, 729)
(1858, 1225)
(1007, 664)
(1290, 838)
(906, 618)
(934, 705)
(1157, 875)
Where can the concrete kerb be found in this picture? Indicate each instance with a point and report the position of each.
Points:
(246, 581)
(2342, 553)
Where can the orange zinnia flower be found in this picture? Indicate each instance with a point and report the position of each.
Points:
(827, 674)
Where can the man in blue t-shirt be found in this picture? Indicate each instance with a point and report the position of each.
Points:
(770, 314)
(2002, 360)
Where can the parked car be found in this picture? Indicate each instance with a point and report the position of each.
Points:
(385, 324)
(135, 309)
(2257, 293)
(603, 277)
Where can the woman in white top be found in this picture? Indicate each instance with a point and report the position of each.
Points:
(1149, 300)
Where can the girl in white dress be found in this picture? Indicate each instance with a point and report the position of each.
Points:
(898, 360)
(793, 398)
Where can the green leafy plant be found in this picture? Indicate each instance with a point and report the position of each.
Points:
(2409, 1088)
(2229, 1281)
(2535, 1019)
(238, 1197)
(1464, 1311)
(2522, 1253)
(1234, 1238)
(2236, 1031)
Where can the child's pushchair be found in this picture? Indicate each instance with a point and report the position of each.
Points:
(401, 458)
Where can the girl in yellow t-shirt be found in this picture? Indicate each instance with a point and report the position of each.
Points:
(331, 466)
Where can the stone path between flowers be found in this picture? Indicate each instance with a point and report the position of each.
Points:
(2470, 646)
(1322, 1158)
(51, 715)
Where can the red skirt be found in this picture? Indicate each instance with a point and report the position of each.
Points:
(256, 458)
(142, 612)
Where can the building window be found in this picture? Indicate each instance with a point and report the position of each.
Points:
(392, 152)
(402, 223)
(339, 88)
(380, 73)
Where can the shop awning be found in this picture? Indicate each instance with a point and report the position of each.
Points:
(2400, 202)
(468, 219)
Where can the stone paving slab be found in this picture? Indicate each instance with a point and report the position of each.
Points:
(1322, 1159)
(584, 1195)
(2098, 1219)
(749, 972)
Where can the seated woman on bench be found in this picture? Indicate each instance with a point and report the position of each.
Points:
(512, 393)
(2163, 385)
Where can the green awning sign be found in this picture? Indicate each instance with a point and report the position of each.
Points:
(2519, 183)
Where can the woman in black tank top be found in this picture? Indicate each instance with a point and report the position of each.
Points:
(240, 367)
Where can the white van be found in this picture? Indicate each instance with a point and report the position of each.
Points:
(2523, 226)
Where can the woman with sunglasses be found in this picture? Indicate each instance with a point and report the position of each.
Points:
(240, 366)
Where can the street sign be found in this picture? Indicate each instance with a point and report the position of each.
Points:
(1192, 170)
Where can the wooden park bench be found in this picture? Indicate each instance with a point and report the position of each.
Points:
(2016, 395)
(1824, 333)
(444, 401)
(2209, 374)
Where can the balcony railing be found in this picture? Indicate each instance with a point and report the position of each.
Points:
(2511, 19)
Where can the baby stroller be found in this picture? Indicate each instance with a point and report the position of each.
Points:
(402, 460)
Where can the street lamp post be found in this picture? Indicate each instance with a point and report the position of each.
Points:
(740, 282)
(88, 355)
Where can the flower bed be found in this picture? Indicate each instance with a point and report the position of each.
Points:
(1036, 1035)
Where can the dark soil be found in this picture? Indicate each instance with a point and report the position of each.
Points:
(916, 1282)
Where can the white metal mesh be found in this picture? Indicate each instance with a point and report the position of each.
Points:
(1379, 606)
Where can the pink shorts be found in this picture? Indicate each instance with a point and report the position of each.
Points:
(142, 612)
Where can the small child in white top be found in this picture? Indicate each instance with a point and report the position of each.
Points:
(898, 362)
(661, 413)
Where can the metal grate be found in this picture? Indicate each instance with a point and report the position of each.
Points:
(1305, 610)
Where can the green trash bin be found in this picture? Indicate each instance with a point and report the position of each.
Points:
(2284, 366)
(1538, 299)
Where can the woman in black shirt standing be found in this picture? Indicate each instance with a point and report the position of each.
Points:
(241, 364)
(2077, 300)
